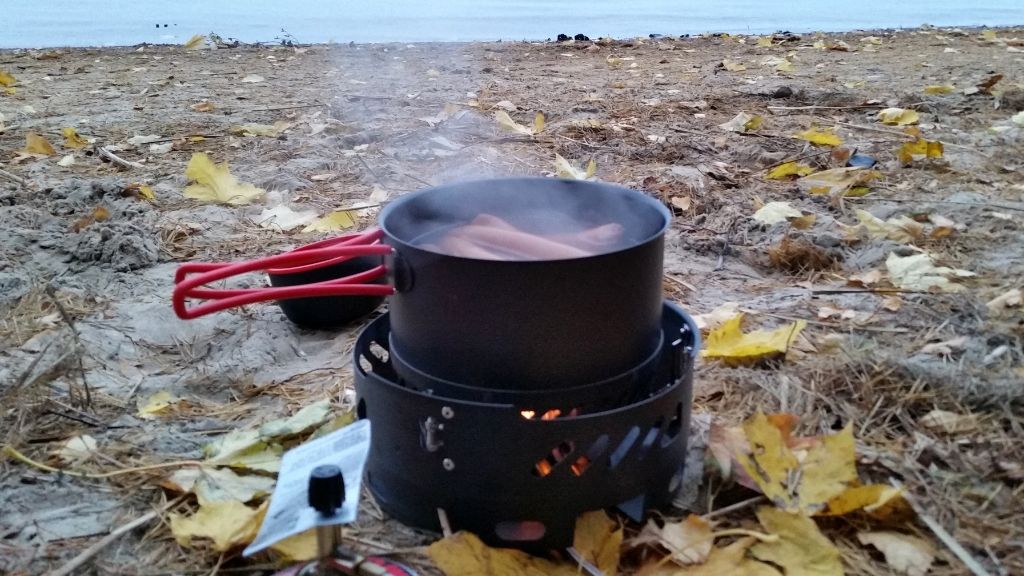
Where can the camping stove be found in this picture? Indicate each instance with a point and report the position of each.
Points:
(516, 467)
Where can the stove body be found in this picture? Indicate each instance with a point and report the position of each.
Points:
(516, 467)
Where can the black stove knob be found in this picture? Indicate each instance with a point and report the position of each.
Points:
(326, 489)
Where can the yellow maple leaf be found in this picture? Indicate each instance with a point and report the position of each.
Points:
(72, 139)
(731, 560)
(228, 524)
(333, 222)
(566, 169)
(300, 547)
(507, 123)
(919, 147)
(879, 500)
(939, 89)
(827, 471)
(850, 181)
(801, 549)
(690, 541)
(37, 144)
(743, 122)
(598, 539)
(215, 183)
(820, 137)
(770, 463)
(903, 553)
(463, 554)
(898, 116)
(783, 171)
(156, 404)
(730, 344)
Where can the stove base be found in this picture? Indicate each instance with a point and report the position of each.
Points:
(515, 473)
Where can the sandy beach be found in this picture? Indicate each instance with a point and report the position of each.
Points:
(94, 224)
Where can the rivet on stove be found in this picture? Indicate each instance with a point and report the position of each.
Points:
(448, 464)
(447, 412)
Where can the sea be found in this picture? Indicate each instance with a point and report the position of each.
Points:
(55, 23)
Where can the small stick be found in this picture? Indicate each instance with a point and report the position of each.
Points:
(13, 178)
(13, 453)
(442, 518)
(797, 159)
(905, 135)
(116, 159)
(77, 562)
(955, 547)
(275, 108)
(831, 324)
(975, 204)
(826, 107)
(78, 343)
(733, 507)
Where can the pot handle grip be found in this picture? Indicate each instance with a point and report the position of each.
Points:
(190, 278)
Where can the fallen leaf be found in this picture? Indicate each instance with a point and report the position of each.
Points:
(827, 470)
(211, 484)
(898, 116)
(919, 148)
(828, 312)
(941, 226)
(66, 161)
(228, 525)
(333, 222)
(945, 348)
(283, 217)
(939, 89)
(72, 139)
(205, 106)
(565, 169)
(803, 222)
(36, 144)
(163, 148)
(769, 462)
(776, 212)
(253, 78)
(1018, 118)
(690, 541)
(819, 137)
(865, 279)
(1010, 299)
(98, 214)
(463, 554)
(729, 343)
(731, 560)
(156, 404)
(742, 122)
(598, 539)
(260, 456)
(232, 444)
(303, 420)
(949, 422)
(838, 181)
(917, 272)
(139, 140)
(875, 40)
(196, 42)
(784, 171)
(986, 85)
(892, 303)
(764, 42)
(785, 66)
(733, 66)
(903, 553)
(878, 500)
(683, 203)
(268, 130)
(898, 229)
(720, 315)
(801, 549)
(7, 80)
(139, 190)
(77, 449)
(507, 123)
(215, 183)
(300, 547)
(538, 123)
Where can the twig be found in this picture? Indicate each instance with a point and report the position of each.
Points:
(446, 526)
(78, 343)
(13, 453)
(867, 291)
(955, 547)
(976, 204)
(797, 159)
(13, 178)
(72, 566)
(103, 152)
(826, 107)
(733, 507)
(830, 324)
(682, 283)
(275, 108)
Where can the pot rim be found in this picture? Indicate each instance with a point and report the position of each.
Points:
(399, 203)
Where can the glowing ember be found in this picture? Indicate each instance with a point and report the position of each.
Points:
(528, 414)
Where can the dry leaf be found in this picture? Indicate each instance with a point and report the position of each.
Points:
(764, 42)
(139, 190)
(986, 85)
(77, 449)
(898, 116)
(1018, 118)
(7, 80)
(98, 214)
(720, 315)
(827, 470)
(917, 272)
(507, 123)
(283, 217)
(1010, 299)
(946, 348)
(538, 123)
(463, 554)
(196, 42)
(865, 279)
(36, 144)
(878, 500)
(838, 181)
(72, 139)
(267, 130)
(939, 89)
(949, 422)
(919, 148)
(892, 303)
(690, 541)
(729, 343)
(804, 222)
(300, 547)
(205, 106)
(942, 226)
(598, 539)
(253, 78)
(903, 553)
(820, 137)
(333, 222)
(783, 171)
(215, 183)
(229, 525)
(769, 461)
(776, 212)
(733, 66)
(156, 404)
(303, 420)
(898, 229)
(66, 161)
(211, 484)
(732, 560)
(742, 122)
(163, 148)
(801, 550)
(683, 203)
(565, 169)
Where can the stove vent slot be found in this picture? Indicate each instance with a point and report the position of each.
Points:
(623, 448)
(558, 454)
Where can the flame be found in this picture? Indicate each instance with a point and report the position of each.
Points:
(551, 414)
(581, 464)
(543, 467)
(528, 414)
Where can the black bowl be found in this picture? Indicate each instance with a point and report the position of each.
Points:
(323, 312)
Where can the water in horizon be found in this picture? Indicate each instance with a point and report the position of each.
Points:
(127, 22)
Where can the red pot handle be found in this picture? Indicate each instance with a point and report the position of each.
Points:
(310, 257)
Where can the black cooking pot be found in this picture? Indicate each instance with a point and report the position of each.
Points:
(509, 324)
